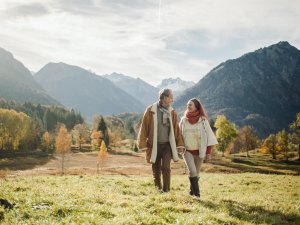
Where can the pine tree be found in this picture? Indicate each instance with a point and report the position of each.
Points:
(103, 128)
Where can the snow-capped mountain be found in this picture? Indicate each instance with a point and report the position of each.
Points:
(176, 85)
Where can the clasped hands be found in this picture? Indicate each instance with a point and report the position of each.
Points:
(181, 150)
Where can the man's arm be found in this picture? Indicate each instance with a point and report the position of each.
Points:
(177, 132)
(143, 132)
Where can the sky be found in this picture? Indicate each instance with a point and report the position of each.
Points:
(149, 39)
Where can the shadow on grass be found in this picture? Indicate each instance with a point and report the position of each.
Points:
(117, 172)
(23, 160)
(264, 167)
(253, 214)
(115, 152)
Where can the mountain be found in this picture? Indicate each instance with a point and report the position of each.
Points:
(85, 91)
(137, 88)
(260, 88)
(176, 85)
(17, 83)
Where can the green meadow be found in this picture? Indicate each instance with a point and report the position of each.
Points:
(243, 198)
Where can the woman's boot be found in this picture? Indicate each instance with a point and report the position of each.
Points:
(195, 186)
(191, 187)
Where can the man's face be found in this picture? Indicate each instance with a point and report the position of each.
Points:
(168, 100)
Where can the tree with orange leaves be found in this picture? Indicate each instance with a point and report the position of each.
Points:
(63, 144)
(96, 138)
(102, 156)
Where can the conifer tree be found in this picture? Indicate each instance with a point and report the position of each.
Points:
(103, 128)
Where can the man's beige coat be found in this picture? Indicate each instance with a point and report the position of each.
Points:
(147, 137)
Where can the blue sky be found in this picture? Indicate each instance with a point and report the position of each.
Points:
(144, 38)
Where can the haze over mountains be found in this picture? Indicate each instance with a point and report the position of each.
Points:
(85, 91)
(144, 92)
(136, 87)
(17, 83)
(74, 87)
(176, 85)
(261, 89)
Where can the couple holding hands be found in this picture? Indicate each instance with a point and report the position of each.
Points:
(163, 139)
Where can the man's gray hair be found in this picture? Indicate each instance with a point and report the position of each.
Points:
(164, 93)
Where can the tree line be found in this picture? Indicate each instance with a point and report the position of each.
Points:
(233, 140)
(25, 126)
(46, 116)
(29, 126)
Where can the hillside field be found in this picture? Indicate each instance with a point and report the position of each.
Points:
(246, 198)
(234, 190)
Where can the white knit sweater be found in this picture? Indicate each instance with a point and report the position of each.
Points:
(205, 137)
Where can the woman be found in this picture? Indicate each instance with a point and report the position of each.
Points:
(198, 138)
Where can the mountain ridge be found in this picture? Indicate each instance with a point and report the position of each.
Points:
(136, 87)
(18, 84)
(259, 88)
(85, 91)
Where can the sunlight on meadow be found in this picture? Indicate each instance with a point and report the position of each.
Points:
(225, 199)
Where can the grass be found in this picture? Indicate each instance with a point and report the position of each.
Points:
(259, 163)
(246, 198)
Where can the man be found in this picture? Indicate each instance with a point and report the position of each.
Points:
(160, 137)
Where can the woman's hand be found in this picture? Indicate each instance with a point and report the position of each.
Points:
(207, 158)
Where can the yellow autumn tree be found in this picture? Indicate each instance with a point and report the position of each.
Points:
(96, 138)
(270, 146)
(102, 156)
(81, 134)
(15, 128)
(226, 132)
(46, 141)
(63, 144)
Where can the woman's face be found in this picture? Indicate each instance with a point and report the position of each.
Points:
(191, 106)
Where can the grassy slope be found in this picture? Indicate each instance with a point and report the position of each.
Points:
(245, 198)
(258, 163)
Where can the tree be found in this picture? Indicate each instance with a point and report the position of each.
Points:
(102, 156)
(295, 128)
(46, 141)
(270, 146)
(103, 128)
(248, 138)
(81, 134)
(282, 143)
(115, 137)
(63, 144)
(96, 138)
(212, 125)
(17, 130)
(225, 133)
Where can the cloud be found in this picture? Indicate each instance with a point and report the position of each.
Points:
(24, 10)
(190, 38)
